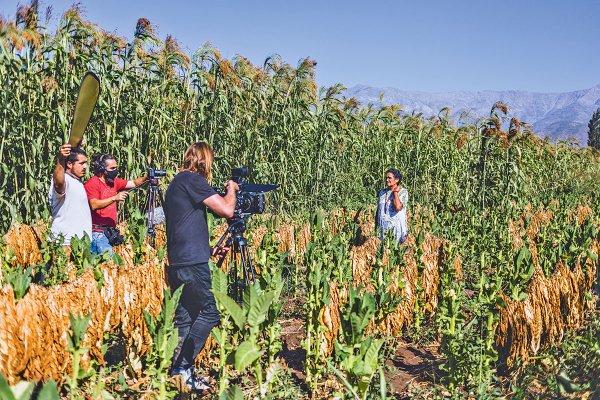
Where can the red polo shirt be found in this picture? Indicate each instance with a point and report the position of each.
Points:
(96, 189)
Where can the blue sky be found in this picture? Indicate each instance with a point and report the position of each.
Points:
(434, 45)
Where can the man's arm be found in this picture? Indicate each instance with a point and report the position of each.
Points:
(135, 182)
(58, 177)
(96, 204)
(223, 206)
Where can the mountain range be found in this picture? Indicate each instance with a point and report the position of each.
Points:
(558, 115)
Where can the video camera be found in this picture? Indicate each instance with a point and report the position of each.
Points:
(155, 173)
(250, 199)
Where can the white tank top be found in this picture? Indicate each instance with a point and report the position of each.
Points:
(70, 211)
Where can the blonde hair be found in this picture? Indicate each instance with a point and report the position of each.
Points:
(198, 158)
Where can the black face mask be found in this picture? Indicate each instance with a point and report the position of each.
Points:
(111, 175)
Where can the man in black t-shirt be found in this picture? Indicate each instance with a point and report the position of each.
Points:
(186, 201)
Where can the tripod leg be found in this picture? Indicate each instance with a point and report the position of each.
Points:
(160, 197)
(249, 270)
(251, 266)
(157, 201)
(244, 263)
(237, 285)
(249, 274)
(226, 237)
(150, 204)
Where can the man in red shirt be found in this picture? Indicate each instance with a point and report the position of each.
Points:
(104, 190)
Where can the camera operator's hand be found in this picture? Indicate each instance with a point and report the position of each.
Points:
(223, 206)
(219, 251)
(231, 185)
(121, 196)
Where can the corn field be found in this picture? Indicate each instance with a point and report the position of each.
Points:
(499, 274)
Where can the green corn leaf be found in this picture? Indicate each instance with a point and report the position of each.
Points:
(150, 322)
(78, 327)
(170, 346)
(249, 297)
(23, 390)
(528, 273)
(382, 385)
(216, 334)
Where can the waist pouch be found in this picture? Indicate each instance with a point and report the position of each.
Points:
(113, 235)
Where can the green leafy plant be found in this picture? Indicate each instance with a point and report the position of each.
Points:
(75, 347)
(319, 270)
(136, 235)
(357, 354)
(24, 390)
(83, 258)
(164, 342)
(521, 272)
(251, 322)
(54, 265)
(19, 279)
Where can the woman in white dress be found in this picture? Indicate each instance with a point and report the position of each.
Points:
(391, 207)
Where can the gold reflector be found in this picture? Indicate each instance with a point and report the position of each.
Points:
(86, 100)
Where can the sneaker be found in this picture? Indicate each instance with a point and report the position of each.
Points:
(193, 382)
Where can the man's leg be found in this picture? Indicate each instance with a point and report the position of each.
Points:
(100, 243)
(205, 315)
(186, 312)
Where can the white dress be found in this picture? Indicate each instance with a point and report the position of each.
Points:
(387, 216)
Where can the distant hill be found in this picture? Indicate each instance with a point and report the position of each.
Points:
(559, 115)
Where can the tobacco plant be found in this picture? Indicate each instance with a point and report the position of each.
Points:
(75, 347)
(24, 390)
(319, 269)
(20, 279)
(246, 344)
(357, 353)
(164, 341)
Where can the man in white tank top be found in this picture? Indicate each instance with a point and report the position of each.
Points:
(68, 201)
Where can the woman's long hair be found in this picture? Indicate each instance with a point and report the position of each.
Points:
(198, 158)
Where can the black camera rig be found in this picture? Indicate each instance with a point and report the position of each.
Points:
(155, 173)
(250, 199)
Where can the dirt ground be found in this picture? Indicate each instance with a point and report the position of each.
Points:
(411, 365)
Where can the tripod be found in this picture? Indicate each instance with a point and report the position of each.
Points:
(154, 202)
(234, 239)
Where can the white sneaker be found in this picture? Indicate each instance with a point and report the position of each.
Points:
(194, 382)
